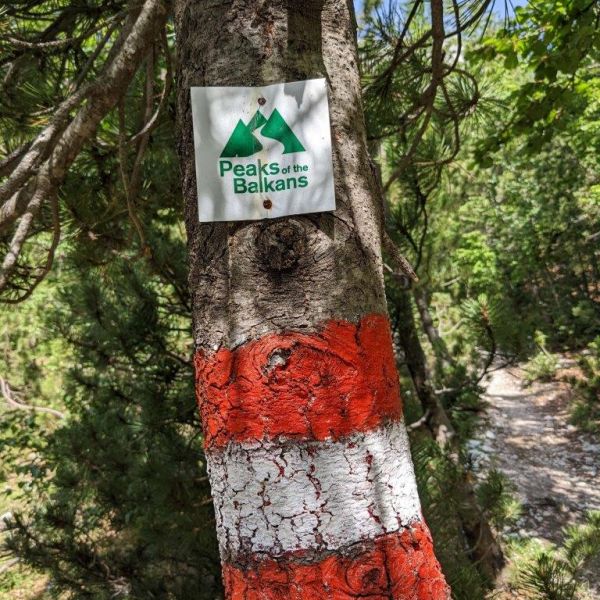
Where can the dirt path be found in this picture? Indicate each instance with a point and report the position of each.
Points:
(555, 468)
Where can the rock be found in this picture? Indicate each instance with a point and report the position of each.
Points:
(591, 448)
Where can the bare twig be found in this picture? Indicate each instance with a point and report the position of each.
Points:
(419, 422)
(145, 137)
(16, 244)
(101, 96)
(8, 163)
(96, 53)
(400, 263)
(37, 152)
(127, 180)
(43, 45)
(152, 122)
(428, 97)
(8, 395)
(492, 353)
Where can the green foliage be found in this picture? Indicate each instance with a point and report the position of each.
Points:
(483, 317)
(31, 364)
(543, 365)
(559, 573)
(546, 578)
(112, 501)
(496, 498)
(122, 504)
(522, 231)
(586, 409)
(440, 485)
(505, 239)
(557, 43)
(475, 257)
(496, 201)
(582, 543)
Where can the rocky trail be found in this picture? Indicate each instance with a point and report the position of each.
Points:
(555, 467)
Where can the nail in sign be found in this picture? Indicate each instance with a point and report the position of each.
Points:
(262, 152)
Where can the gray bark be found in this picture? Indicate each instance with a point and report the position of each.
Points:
(433, 335)
(294, 274)
(251, 278)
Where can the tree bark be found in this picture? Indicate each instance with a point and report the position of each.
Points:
(433, 335)
(437, 419)
(483, 547)
(312, 482)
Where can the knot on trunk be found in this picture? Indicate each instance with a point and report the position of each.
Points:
(281, 245)
(277, 359)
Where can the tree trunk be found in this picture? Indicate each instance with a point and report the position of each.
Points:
(312, 482)
(433, 335)
(437, 419)
(483, 547)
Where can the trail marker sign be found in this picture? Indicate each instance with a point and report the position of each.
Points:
(262, 152)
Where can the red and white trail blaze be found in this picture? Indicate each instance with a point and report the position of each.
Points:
(315, 495)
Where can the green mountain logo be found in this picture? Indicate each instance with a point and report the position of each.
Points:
(243, 142)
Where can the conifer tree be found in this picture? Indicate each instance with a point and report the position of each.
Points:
(313, 486)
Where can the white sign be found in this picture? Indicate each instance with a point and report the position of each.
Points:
(262, 152)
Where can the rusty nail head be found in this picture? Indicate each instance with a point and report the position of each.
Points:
(267, 203)
(262, 101)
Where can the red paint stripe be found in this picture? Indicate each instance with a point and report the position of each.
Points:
(307, 386)
(394, 566)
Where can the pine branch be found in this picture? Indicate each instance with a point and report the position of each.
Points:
(22, 231)
(43, 167)
(401, 265)
(49, 257)
(151, 123)
(8, 163)
(8, 395)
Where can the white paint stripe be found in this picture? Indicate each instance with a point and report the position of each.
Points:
(278, 497)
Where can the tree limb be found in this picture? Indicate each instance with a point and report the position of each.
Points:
(49, 257)
(399, 262)
(8, 395)
(16, 244)
(55, 149)
(168, 82)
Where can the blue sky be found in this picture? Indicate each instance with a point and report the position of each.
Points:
(499, 6)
